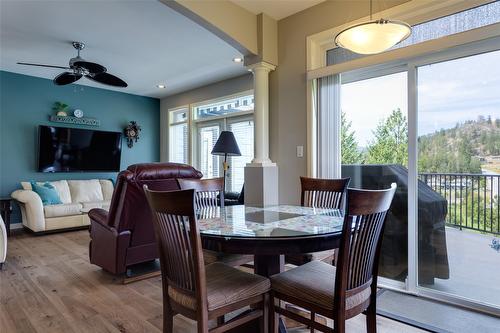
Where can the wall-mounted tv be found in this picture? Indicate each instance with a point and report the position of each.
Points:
(62, 149)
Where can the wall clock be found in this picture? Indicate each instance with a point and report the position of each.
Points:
(78, 113)
(132, 133)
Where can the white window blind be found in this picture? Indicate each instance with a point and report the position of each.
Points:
(178, 136)
(208, 163)
(243, 133)
(328, 127)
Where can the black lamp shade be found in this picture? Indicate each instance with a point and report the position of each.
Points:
(226, 144)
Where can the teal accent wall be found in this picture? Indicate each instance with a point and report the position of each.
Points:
(26, 102)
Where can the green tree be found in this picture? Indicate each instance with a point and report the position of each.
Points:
(390, 145)
(349, 146)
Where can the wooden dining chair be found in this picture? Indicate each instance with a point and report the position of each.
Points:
(319, 193)
(209, 192)
(348, 289)
(190, 288)
(210, 196)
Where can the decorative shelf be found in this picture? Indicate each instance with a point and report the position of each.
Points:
(76, 121)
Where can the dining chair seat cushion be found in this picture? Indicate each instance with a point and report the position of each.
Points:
(228, 259)
(225, 285)
(303, 258)
(314, 283)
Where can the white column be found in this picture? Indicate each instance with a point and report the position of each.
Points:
(261, 176)
(260, 72)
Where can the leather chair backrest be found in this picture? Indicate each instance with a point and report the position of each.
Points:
(129, 209)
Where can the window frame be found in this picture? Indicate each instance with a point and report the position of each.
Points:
(411, 285)
(217, 100)
(194, 123)
(170, 113)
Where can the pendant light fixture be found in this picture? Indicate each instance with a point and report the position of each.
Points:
(374, 36)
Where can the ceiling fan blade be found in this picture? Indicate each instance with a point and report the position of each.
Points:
(41, 65)
(66, 78)
(106, 78)
(91, 67)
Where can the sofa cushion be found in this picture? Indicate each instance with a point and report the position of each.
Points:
(98, 204)
(61, 186)
(62, 210)
(47, 193)
(107, 188)
(85, 190)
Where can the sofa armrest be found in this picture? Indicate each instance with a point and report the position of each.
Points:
(100, 216)
(3, 242)
(31, 203)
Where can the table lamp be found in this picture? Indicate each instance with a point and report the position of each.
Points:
(226, 145)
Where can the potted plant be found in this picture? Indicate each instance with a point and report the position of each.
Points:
(61, 109)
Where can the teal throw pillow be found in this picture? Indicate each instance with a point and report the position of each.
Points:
(47, 193)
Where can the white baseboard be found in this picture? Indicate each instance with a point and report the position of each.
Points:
(16, 226)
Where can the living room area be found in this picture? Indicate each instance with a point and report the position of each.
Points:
(249, 166)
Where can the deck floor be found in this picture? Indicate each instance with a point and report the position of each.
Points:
(474, 267)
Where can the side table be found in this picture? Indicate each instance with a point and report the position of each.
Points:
(5, 211)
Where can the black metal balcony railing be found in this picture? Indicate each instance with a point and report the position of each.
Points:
(473, 199)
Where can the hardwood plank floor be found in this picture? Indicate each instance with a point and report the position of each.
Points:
(48, 285)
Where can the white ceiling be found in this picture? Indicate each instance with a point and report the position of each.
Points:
(141, 41)
(276, 9)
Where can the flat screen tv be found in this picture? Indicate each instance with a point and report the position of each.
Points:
(63, 149)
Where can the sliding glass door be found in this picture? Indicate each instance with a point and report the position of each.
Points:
(374, 153)
(432, 125)
(459, 173)
(209, 164)
(242, 128)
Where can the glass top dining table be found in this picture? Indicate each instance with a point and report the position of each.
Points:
(270, 222)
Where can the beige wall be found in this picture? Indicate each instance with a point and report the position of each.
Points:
(288, 84)
(211, 91)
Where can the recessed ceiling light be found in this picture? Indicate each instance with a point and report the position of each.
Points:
(238, 59)
(161, 86)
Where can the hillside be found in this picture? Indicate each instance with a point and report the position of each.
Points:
(468, 147)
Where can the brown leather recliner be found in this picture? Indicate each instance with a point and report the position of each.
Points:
(124, 236)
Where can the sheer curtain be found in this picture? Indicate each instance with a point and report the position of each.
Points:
(328, 126)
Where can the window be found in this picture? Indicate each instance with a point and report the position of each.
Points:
(178, 136)
(233, 113)
(194, 130)
(473, 18)
(243, 132)
(227, 106)
(207, 137)
(433, 126)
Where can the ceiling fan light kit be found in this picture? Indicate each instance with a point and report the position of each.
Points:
(374, 36)
(80, 67)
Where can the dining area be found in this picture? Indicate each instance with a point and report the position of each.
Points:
(255, 269)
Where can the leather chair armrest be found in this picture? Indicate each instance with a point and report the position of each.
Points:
(107, 246)
(100, 216)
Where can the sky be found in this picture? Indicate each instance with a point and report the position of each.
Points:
(448, 92)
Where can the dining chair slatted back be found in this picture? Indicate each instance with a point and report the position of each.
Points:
(323, 193)
(355, 272)
(179, 241)
(359, 251)
(190, 288)
(209, 192)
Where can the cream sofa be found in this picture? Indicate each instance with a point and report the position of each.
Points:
(77, 197)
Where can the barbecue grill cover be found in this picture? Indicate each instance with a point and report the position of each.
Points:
(432, 210)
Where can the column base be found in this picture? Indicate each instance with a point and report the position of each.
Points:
(261, 184)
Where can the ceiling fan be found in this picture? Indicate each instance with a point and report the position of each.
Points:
(80, 67)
